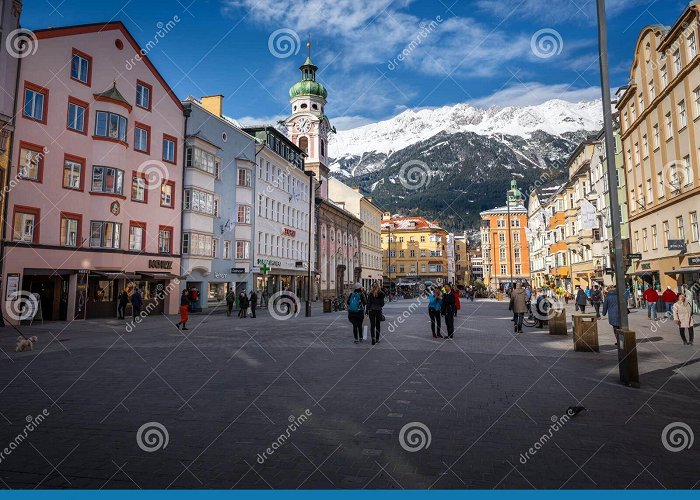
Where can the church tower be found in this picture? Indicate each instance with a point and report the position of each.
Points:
(308, 127)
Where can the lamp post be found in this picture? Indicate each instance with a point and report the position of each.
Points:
(508, 245)
(388, 269)
(311, 175)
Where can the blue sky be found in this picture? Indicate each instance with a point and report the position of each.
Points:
(487, 52)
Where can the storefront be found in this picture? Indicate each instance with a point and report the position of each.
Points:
(688, 278)
(272, 276)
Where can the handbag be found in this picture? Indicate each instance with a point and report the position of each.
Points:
(382, 317)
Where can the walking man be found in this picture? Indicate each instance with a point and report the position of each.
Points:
(136, 302)
(230, 299)
(597, 300)
(123, 301)
(651, 296)
(518, 302)
(670, 298)
(612, 310)
(243, 304)
(253, 303)
(581, 300)
(448, 310)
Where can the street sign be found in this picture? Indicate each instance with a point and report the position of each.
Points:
(237, 270)
(634, 256)
(676, 245)
(693, 261)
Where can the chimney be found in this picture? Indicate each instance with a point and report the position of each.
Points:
(386, 216)
(214, 104)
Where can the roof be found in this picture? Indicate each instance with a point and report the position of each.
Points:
(80, 29)
(410, 223)
(504, 210)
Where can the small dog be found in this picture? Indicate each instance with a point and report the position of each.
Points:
(25, 344)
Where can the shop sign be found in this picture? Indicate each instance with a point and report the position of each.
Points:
(12, 287)
(237, 270)
(694, 261)
(289, 232)
(646, 266)
(115, 208)
(299, 263)
(634, 256)
(220, 276)
(270, 262)
(160, 264)
(676, 245)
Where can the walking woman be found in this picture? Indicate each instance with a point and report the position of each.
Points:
(375, 303)
(434, 308)
(243, 304)
(356, 311)
(184, 310)
(683, 316)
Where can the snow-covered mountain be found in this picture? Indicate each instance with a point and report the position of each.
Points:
(554, 117)
(461, 153)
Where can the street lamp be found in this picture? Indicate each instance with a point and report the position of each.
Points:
(311, 175)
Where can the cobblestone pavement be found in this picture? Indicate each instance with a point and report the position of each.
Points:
(342, 415)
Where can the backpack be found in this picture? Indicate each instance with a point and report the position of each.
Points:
(355, 302)
(597, 296)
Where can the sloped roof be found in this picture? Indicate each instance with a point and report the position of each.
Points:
(410, 223)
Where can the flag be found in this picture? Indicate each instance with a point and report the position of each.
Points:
(587, 215)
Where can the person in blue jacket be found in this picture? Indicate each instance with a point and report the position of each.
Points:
(434, 308)
(611, 309)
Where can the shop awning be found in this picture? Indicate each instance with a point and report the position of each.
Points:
(685, 270)
(159, 276)
(646, 272)
(115, 275)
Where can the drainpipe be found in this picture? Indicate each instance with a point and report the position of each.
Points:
(187, 110)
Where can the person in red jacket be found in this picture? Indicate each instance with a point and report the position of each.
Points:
(458, 306)
(670, 298)
(651, 296)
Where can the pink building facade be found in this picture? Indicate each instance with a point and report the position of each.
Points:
(94, 204)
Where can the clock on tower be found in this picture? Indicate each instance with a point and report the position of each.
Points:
(308, 126)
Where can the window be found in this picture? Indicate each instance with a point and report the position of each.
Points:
(227, 249)
(142, 138)
(72, 173)
(664, 76)
(687, 170)
(143, 95)
(645, 146)
(641, 102)
(645, 240)
(169, 148)
(165, 240)
(107, 180)
(110, 125)
(139, 190)
(214, 246)
(680, 228)
(657, 137)
(669, 126)
(80, 67)
(682, 115)
(692, 46)
(167, 190)
(197, 244)
(667, 233)
(200, 201)
(242, 249)
(243, 214)
(105, 234)
(696, 94)
(243, 177)
(70, 230)
(694, 230)
(633, 112)
(136, 236)
(36, 101)
(518, 269)
(422, 239)
(650, 193)
(636, 241)
(31, 161)
(422, 253)
(678, 66)
(652, 90)
(202, 160)
(26, 224)
(516, 237)
(77, 112)
(503, 269)
(502, 253)
(654, 238)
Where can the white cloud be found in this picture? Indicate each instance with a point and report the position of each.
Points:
(533, 93)
(350, 121)
(248, 121)
(556, 10)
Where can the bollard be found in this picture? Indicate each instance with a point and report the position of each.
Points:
(557, 321)
(627, 358)
(326, 305)
(585, 331)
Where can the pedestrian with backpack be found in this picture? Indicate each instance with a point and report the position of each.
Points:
(434, 308)
(375, 304)
(597, 300)
(356, 311)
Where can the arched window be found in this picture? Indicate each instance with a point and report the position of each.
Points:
(323, 231)
(315, 106)
(323, 147)
(304, 144)
(304, 106)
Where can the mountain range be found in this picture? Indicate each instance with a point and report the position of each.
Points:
(452, 162)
